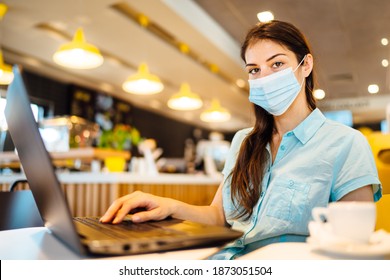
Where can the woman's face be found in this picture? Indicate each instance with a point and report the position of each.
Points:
(266, 57)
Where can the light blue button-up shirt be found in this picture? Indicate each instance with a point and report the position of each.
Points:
(318, 162)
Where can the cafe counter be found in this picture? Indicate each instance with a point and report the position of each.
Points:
(91, 193)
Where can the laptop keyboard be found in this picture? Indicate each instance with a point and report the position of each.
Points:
(128, 228)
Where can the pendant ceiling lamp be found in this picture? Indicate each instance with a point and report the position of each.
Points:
(6, 75)
(143, 82)
(185, 99)
(78, 54)
(215, 113)
(3, 10)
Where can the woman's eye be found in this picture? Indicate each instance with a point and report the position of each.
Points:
(253, 71)
(277, 64)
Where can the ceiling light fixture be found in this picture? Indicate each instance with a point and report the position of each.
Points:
(319, 94)
(6, 74)
(185, 99)
(78, 54)
(143, 82)
(385, 63)
(241, 83)
(373, 89)
(265, 16)
(215, 113)
(384, 41)
(3, 10)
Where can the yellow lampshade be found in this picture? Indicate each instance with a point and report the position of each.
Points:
(78, 54)
(185, 99)
(6, 75)
(3, 10)
(215, 113)
(143, 82)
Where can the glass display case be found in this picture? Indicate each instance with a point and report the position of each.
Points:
(63, 133)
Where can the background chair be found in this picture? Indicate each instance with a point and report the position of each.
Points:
(380, 145)
(18, 209)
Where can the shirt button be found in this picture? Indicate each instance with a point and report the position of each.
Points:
(291, 183)
(282, 147)
(239, 242)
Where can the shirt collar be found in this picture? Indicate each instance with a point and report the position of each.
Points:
(309, 126)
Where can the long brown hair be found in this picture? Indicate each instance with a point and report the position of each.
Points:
(248, 172)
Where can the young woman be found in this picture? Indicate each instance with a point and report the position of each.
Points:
(291, 161)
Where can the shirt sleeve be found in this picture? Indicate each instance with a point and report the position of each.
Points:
(355, 168)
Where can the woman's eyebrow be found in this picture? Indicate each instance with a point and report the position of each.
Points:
(270, 58)
(275, 55)
(250, 64)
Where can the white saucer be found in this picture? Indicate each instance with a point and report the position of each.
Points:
(377, 247)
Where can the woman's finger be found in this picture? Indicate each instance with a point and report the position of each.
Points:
(117, 205)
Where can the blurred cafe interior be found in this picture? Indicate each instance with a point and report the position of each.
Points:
(165, 91)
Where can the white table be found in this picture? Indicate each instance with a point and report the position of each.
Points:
(304, 251)
(286, 251)
(39, 244)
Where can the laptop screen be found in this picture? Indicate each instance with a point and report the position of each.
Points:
(37, 164)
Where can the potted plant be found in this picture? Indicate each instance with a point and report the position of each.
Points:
(121, 137)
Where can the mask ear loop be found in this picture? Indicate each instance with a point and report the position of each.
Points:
(303, 59)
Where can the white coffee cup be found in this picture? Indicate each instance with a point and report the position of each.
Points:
(354, 221)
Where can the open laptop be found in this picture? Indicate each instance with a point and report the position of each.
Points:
(85, 235)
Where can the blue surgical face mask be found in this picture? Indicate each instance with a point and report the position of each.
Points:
(276, 92)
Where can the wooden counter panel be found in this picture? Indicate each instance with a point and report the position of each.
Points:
(4, 187)
(193, 194)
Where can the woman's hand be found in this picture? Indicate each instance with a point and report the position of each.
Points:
(154, 208)
(145, 207)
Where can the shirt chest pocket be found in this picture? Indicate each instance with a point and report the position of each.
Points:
(288, 200)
